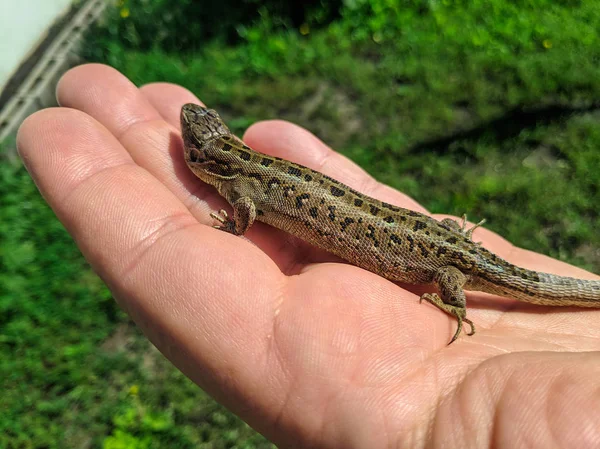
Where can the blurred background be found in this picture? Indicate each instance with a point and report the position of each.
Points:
(486, 107)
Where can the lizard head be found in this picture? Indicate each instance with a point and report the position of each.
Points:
(199, 125)
(201, 130)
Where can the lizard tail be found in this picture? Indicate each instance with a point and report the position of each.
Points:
(537, 287)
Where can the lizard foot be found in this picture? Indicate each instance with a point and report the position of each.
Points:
(228, 225)
(462, 227)
(469, 232)
(459, 312)
(244, 213)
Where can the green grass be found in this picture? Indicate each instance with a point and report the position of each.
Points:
(488, 108)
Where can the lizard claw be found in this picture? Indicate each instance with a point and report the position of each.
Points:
(221, 217)
(456, 311)
(227, 224)
(462, 226)
(469, 233)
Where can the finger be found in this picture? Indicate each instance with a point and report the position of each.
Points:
(115, 102)
(87, 176)
(186, 285)
(167, 99)
(103, 93)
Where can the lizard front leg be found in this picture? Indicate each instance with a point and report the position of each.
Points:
(244, 213)
(449, 281)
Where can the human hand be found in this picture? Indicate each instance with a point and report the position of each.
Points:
(312, 353)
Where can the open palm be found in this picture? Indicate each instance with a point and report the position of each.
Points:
(310, 351)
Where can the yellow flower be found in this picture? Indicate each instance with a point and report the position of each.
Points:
(304, 29)
(134, 390)
(124, 13)
(547, 43)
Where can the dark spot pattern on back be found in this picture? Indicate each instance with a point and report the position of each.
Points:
(330, 179)
(390, 207)
(374, 209)
(314, 212)
(294, 171)
(411, 242)
(308, 178)
(424, 251)
(300, 199)
(389, 219)
(358, 202)
(336, 191)
(331, 212)
(345, 222)
(443, 226)
(265, 162)
(244, 155)
(419, 225)
(460, 256)
(371, 234)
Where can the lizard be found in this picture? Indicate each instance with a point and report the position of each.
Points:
(396, 243)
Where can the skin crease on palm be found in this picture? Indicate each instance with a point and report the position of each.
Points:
(310, 351)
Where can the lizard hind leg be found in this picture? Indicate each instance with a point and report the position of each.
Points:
(449, 281)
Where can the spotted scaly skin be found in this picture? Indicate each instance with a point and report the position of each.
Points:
(396, 243)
